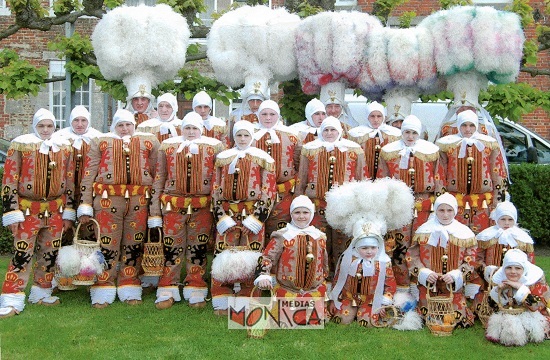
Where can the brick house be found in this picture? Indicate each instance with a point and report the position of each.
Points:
(15, 115)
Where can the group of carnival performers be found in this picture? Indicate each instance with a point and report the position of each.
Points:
(268, 191)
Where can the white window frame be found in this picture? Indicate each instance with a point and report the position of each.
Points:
(497, 4)
(57, 98)
(4, 9)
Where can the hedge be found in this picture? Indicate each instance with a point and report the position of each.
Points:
(530, 192)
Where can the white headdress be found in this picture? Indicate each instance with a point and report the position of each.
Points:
(399, 103)
(172, 100)
(313, 106)
(254, 45)
(122, 115)
(355, 208)
(202, 98)
(531, 273)
(126, 43)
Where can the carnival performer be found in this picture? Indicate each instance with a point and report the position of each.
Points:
(474, 172)
(494, 242)
(181, 205)
(442, 258)
(364, 284)
(333, 97)
(329, 160)
(243, 194)
(373, 136)
(38, 198)
(166, 124)
(297, 257)
(308, 129)
(364, 280)
(413, 161)
(80, 134)
(519, 284)
(283, 145)
(254, 92)
(116, 189)
(213, 127)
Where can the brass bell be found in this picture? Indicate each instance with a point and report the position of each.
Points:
(189, 210)
(268, 142)
(467, 206)
(126, 151)
(470, 160)
(353, 303)
(105, 195)
(444, 258)
(147, 195)
(126, 194)
(332, 159)
(61, 209)
(358, 275)
(377, 147)
(46, 213)
(52, 164)
(309, 258)
(27, 212)
(415, 213)
(484, 204)
(168, 206)
(79, 156)
(243, 213)
(189, 155)
(237, 170)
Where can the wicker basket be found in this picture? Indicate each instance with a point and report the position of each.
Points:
(485, 310)
(508, 308)
(153, 255)
(64, 283)
(259, 329)
(85, 248)
(440, 309)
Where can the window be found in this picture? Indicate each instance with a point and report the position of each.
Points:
(58, 96)
(4, 10)
(141, 2)
(345, 4)
(497, 4)
(213, 6)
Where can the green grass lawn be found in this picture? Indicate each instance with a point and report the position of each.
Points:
(75, 330)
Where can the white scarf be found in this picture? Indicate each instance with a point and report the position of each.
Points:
(292, 231)
(505, 237)
(262, 130)
(465, 142)
(405, 155)
(193, 147)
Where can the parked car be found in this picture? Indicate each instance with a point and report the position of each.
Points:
(520, 144)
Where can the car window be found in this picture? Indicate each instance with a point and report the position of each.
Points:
(543, 152)
(514, 143)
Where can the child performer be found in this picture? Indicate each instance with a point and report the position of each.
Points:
(519, 284)
(297, 256)
(494, 242)
(442, 257)
(242, 197)
(37, 193)
(182, 187)
(364, 280)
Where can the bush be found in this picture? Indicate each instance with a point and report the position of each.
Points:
(530, 194)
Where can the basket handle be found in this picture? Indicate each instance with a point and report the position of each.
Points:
(500, 293)
(159, 229)
(98, 232)
(234, 228)
(432, 288)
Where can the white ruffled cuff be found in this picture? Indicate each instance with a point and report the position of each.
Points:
(154, 222)
(488, 272)
(69, 214)
(16, 301)
(521, 294)
(13, 217)
(130, 292)
(168, 292)
(253, 224)
(457, 277)
(85, 209)
(423, 276)
(103, 294)
(41, 294)
(471, 290)
(265, 277)
(220, 302)
(195, 294)
(225, 223)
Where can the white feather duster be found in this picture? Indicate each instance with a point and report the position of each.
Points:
(534, 324)
(253, 42)
(411, 321)
(68, 261)
(234, 266)
(144, 41)
(387, 202)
